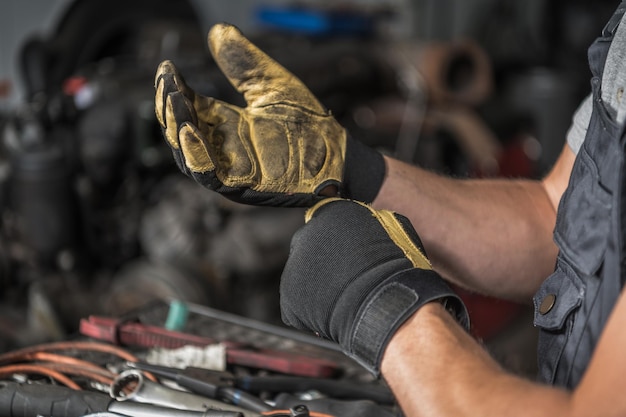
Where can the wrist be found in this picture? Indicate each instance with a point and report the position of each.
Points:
(435, 310)
(420, 326)
(364, 172)
(390, 305)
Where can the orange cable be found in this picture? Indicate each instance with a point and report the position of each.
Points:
(9, 370)
(19, 354)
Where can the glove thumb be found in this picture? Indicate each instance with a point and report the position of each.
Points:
(254, 74)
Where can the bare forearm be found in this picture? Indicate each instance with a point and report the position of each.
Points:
(435, 369)
(492, 236)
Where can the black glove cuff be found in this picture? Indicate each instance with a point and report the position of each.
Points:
(364, 172)
(390, 305)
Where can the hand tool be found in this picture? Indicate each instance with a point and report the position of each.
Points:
(212, 384)
(130, 385)
(24, 400)
(133, 333)
(339, 389)
(203, 381)
(287, 333)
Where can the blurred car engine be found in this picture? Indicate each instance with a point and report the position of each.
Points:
(97, 219)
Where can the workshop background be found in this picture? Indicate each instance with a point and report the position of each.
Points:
(95, 217)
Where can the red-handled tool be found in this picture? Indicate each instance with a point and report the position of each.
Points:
(134, 333)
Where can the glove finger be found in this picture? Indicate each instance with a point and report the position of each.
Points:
(178, 110)
(253, 73)
(168, 80)
(168, 73)
(195, 149)
(180, 161)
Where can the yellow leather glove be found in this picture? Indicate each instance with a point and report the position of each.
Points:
(283, 149)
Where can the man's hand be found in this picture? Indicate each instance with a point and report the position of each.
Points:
(283, 149)
(355, 274)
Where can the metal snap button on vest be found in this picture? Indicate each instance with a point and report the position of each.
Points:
(547, 303)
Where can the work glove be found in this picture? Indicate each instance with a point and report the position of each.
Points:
(283, 149)
(355, 274)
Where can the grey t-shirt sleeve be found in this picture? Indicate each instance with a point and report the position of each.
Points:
(612, 86)
(580, 122)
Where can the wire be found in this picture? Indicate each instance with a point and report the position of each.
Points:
(67, 360)
(10, 370)
(80, 345)
(63, 368)
(56, 365)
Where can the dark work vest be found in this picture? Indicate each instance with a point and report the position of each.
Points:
(573, 304)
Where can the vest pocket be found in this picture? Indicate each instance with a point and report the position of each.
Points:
(583, 219)
(556, 304)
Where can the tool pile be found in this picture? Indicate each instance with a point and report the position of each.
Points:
(134, 367)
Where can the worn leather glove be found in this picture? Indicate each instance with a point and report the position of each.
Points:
(355, 274)
(283, 149)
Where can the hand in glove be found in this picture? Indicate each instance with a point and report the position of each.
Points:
(355, 274)
(283, 149)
